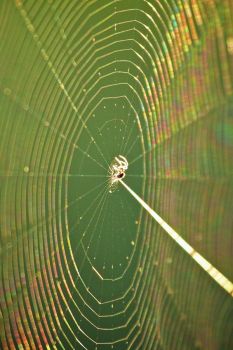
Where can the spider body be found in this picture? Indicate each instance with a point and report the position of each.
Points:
(121, 175)
(117, 170)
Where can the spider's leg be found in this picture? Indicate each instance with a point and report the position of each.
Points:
(123, 160)
(120, 162)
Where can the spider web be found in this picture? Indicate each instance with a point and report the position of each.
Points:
(82, 82)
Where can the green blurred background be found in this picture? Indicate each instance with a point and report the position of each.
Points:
(83, 81)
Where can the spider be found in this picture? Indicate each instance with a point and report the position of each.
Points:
(117, 170)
